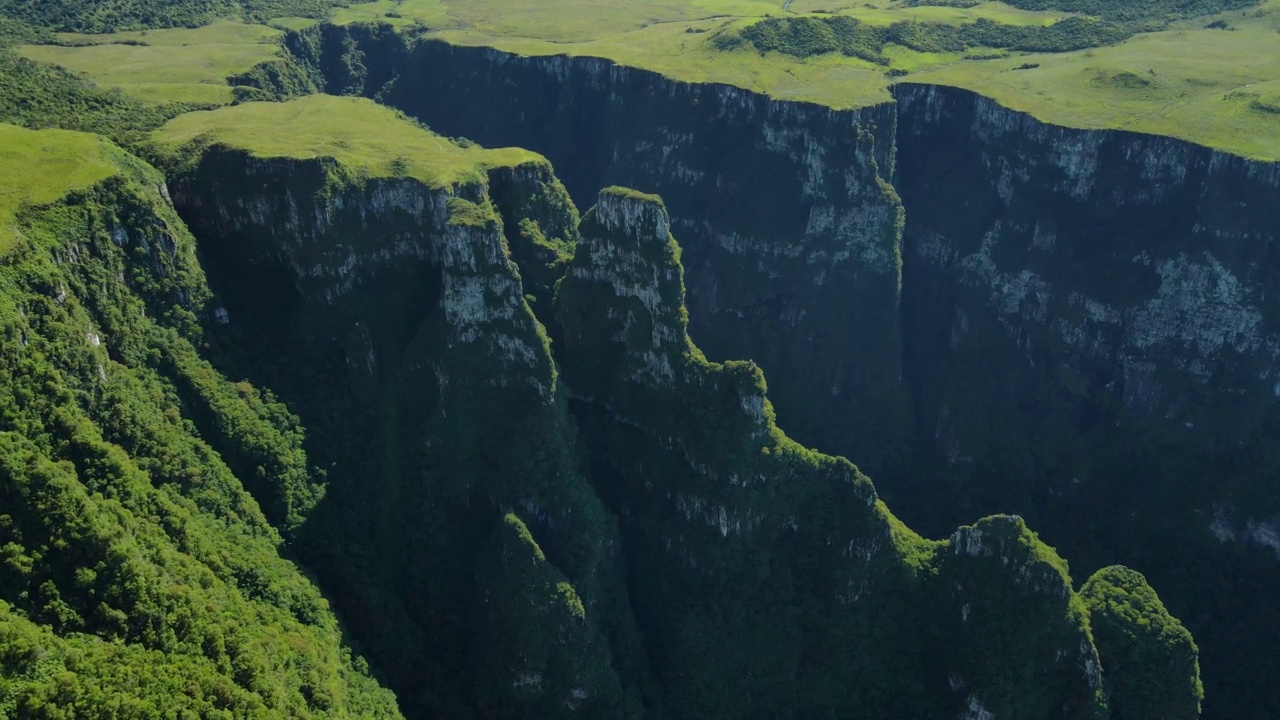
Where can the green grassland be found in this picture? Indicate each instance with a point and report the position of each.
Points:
(1217, 86)
(177, 65)
(42, 166)
(667, 48)
(887, 13)
(400, 13)
(364, 137)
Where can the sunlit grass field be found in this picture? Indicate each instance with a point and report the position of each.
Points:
(41, 166)
(179, 65)
(369, 139)
(1218, 87)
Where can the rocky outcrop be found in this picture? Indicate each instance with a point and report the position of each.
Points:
(1156, 651)
(811, 598)
(1091, 331)
(1034, 607)
(390, 315)
(789, 229)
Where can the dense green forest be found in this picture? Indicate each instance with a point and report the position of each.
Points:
(140, 579)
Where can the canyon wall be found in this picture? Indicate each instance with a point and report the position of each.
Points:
(389, 315)
(790, 230)
(1081, 334)
(1093, 340)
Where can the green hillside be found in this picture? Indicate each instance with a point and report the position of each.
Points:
(139, 578)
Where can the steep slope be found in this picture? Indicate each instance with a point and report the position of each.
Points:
(364, 272)
(138, 577)
(393, 288)
(1014, 378)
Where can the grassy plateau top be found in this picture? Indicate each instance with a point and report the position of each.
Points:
(369, 139)
(43, 166)
(1206, 71)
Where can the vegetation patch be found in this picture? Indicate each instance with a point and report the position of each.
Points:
(1123, 79)
(139, 578)
(1142, 648)
(106, 16)
(1120, 11)
(37, 95)
(40, 167)
(165, 66)
(360, 135)
(804, 37)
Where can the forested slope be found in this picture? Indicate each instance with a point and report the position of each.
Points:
(140, 578)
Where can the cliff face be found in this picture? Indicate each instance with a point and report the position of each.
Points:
(769, 578)
(1091, 332)
(664, 551)
(1106, 282)
(391, 317)
(791, 232)
(359, 59)
(1081, 327)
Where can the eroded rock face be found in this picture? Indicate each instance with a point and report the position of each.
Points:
(759, 568)
(1091, 273)
(1018, 370)
(1092, 332)
(790, 231)
(390, 314)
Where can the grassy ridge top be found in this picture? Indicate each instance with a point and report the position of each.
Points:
(1209, 79)
(366, 138)
(1212, 87)
(164, 66)
(42, 166)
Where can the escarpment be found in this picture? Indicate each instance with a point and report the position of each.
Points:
(792, 232)
(604, 525)
(811, 598)
(333, 339)
(987, 313)
(1091, 332)
(385, 308)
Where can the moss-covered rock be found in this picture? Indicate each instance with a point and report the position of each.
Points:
(536, 653)
(1149, 659)
(810, 596)
(1015, 636)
